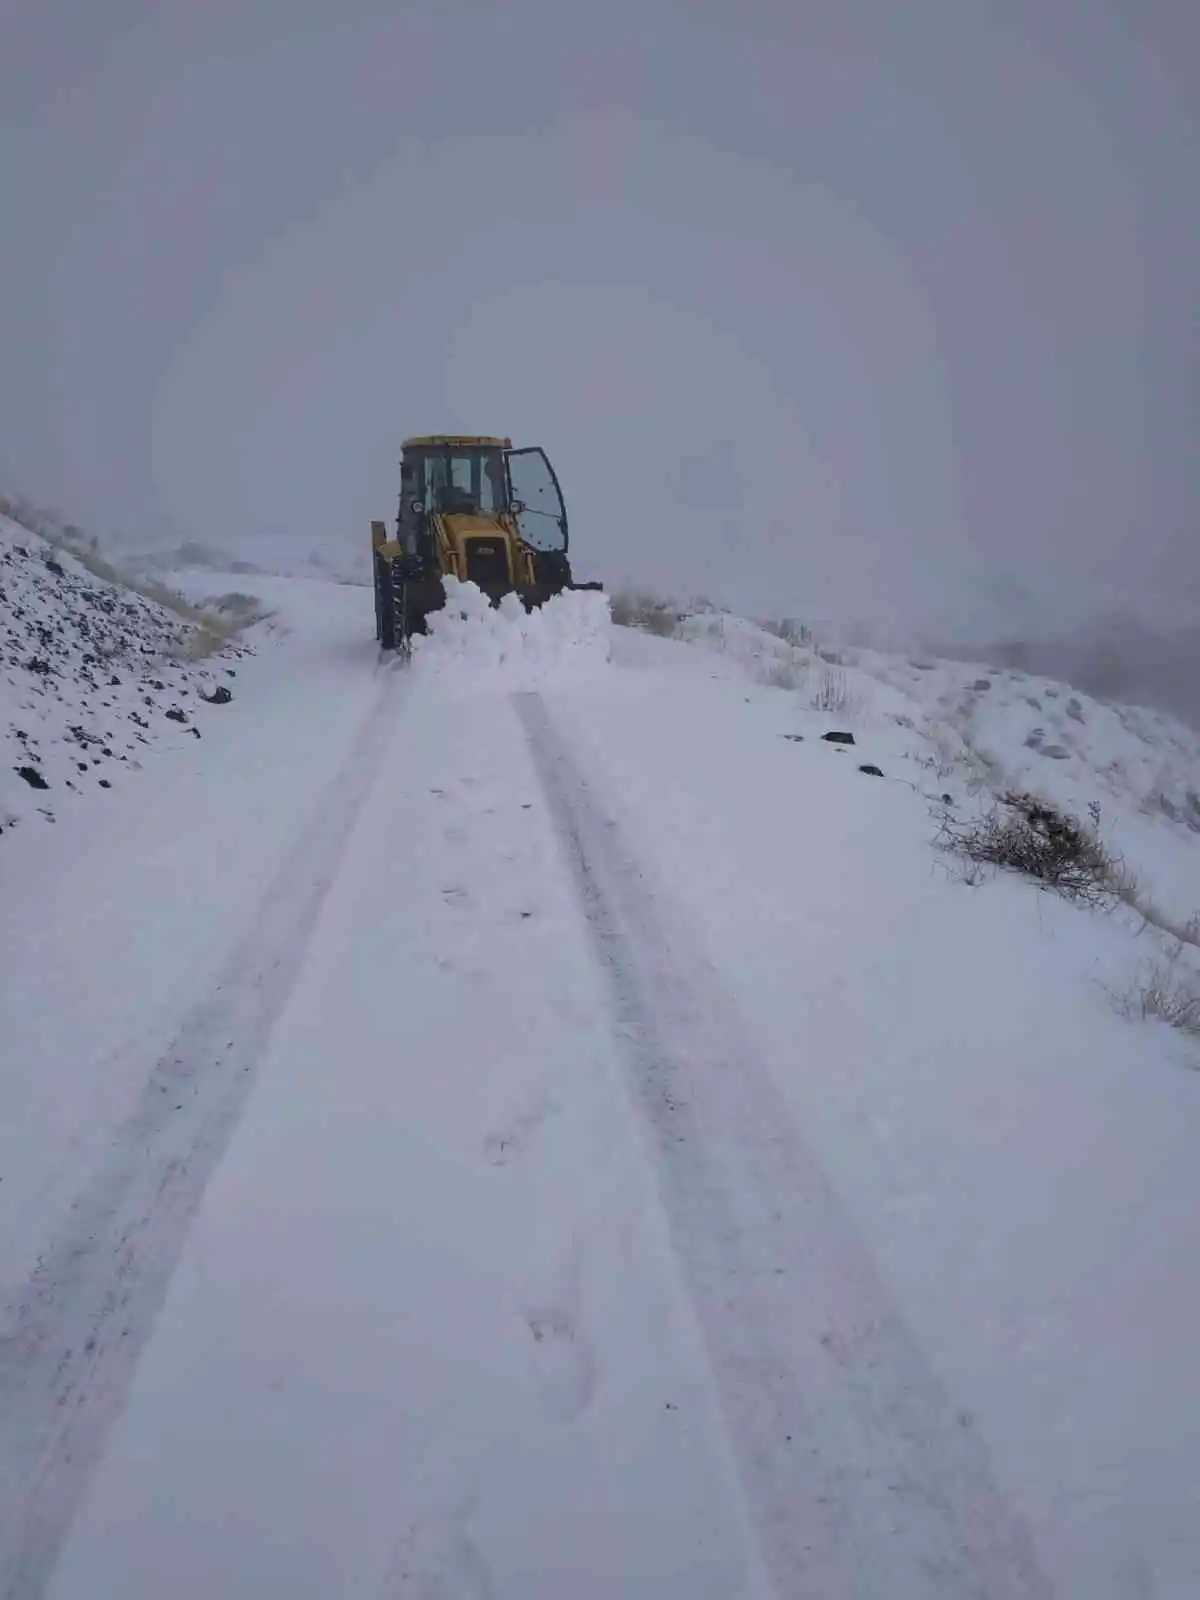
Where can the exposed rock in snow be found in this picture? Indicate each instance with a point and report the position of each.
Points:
(87, 668)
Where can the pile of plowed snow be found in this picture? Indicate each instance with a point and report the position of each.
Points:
(473, 645)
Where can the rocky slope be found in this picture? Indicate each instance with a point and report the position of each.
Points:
(94, 677)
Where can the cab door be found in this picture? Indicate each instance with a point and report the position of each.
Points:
(535, 499)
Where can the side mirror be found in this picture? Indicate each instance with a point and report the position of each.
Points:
(517, 507)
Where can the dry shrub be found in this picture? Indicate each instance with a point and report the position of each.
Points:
(237, 607)
(633, 609)
(792, 632)
(782, 674)
(1028, 835)
(833, 694)
(1167, 992)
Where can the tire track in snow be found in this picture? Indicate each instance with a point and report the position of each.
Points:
(862, 1478)
(71, 1339)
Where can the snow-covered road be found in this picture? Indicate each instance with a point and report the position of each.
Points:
(567, 1140)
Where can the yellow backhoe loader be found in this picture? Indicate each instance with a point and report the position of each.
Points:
(471, 508)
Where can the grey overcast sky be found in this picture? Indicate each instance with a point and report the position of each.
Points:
(873, 308)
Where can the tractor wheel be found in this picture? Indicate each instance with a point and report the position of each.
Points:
(379, 598)
(385, 605)
(400, 619)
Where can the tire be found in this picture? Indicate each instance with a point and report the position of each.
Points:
(401, 621)
(385, 606)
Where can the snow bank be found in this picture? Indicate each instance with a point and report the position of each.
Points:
(997, 729)
(474, 645)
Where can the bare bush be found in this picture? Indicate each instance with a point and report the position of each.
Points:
(237, 607)
(1027, 835)
(790, 631)
(833, 693)
(662, 622)
(1166, 992)
(210, 635)
(782, 673)
(633, 609)
(968, 872)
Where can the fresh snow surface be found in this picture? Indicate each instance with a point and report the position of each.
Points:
(1005, 729)
(540, 1121)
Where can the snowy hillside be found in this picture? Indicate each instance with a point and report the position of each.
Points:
(93, 676)
(338, 560)
(977, 729)
(549, 1120)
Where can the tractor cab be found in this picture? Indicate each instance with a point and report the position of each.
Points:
(485, 478)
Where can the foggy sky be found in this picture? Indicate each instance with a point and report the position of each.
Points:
(875, 310)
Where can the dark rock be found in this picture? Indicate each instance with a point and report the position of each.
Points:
(42, 668)
(219, 697)
(32, 777)
(53, 566)
(870, 770)
(796, 738)
(104, 783)
(838, 738)
(195, 731)
(176, 715)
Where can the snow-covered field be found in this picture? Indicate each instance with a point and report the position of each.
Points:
(545, 1122)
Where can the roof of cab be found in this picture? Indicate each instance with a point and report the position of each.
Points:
(462, 441)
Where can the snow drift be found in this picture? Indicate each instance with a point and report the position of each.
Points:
(472, 644)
